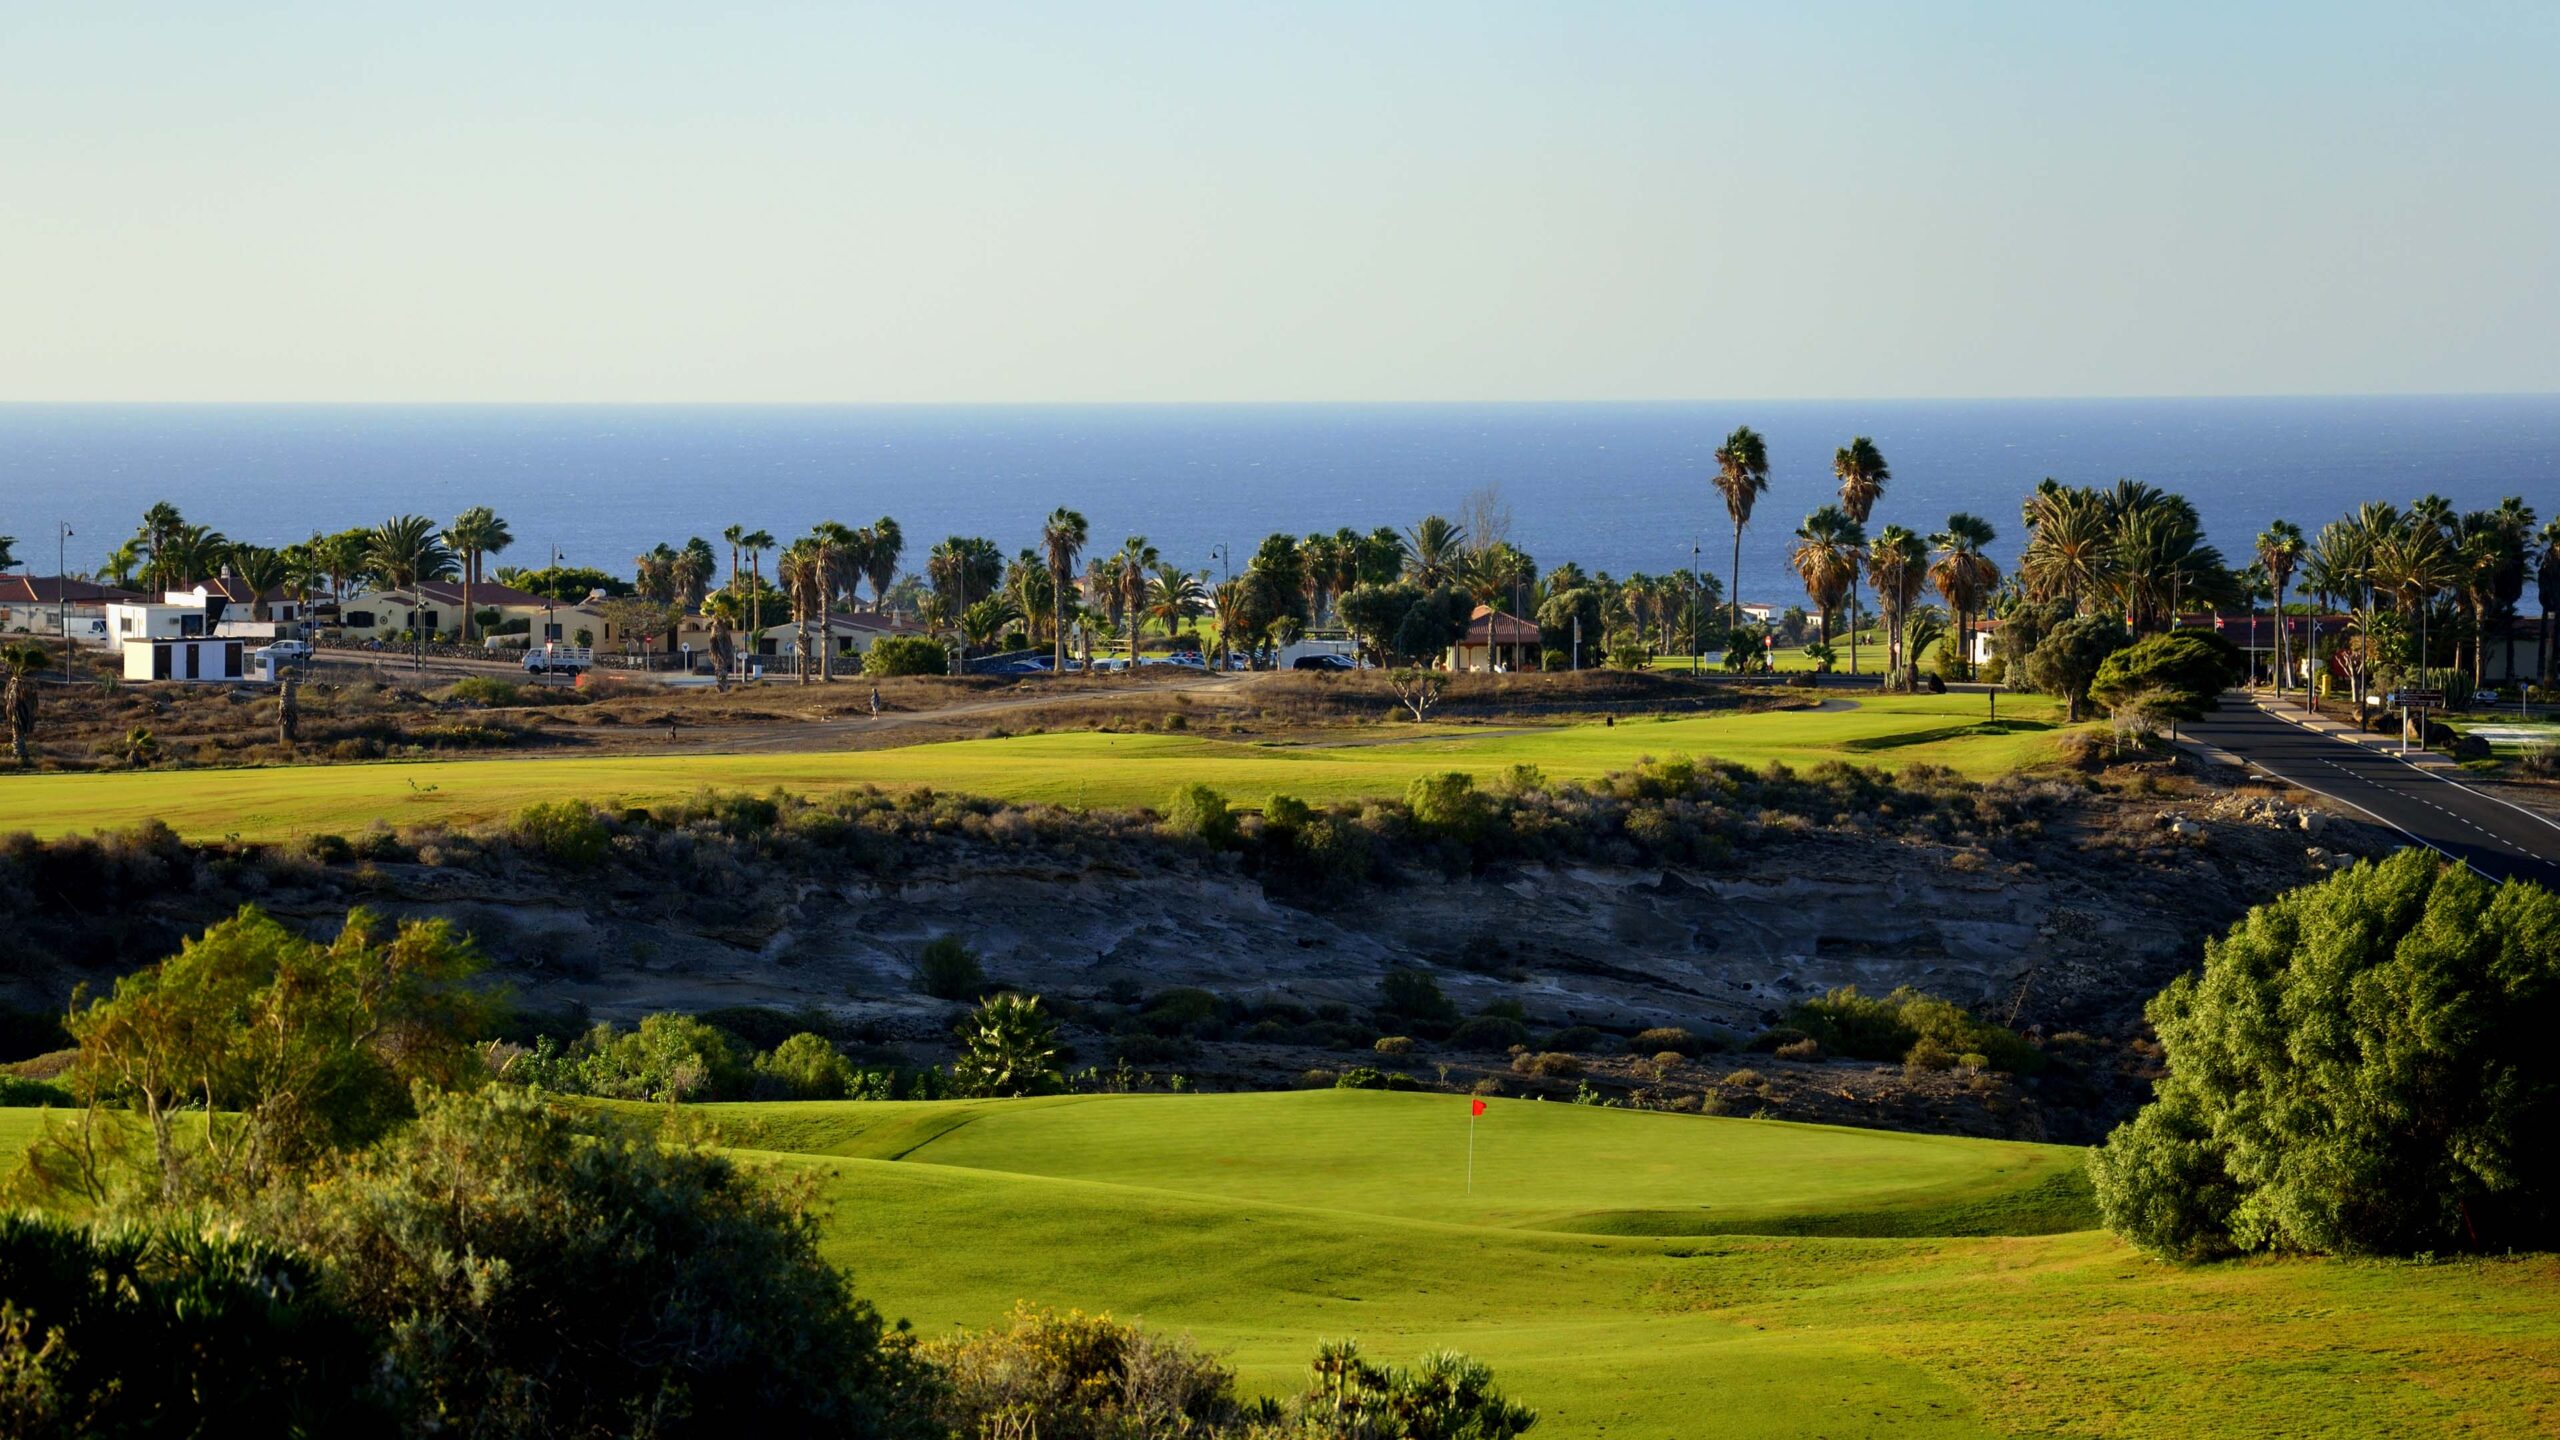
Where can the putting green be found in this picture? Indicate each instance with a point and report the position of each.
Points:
(1078, 768)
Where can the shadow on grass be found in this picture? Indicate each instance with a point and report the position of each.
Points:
(2059, 1203)
(1977, 729)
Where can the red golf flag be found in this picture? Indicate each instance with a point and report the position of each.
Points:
(1478, 1108)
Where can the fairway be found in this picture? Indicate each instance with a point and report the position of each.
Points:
(1076, 768)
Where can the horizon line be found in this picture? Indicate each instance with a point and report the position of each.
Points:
(1633, 401)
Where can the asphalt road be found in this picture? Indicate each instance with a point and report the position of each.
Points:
(2494, 837)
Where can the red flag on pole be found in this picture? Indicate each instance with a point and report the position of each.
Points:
(1478, 1108)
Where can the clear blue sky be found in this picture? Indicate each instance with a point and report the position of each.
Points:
(1188, 201)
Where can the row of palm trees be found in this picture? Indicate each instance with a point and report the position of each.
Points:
(2417, 562)
(168, 552)
(1832, 551)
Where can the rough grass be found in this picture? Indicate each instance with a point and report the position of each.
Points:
(1263, 1223)
(1079, 769)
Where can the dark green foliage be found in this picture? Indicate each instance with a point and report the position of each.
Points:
(485, 690)
(1410, 1002)
(2020, 632)
(541, 1272)
(1360, 1077)
(1081, 1377)
(136, 1330)
(1577, 1037)
(2180, 674)
(664, 1057)
(1494, 1033)
(947, 969)
(1446, 1397)
(19, 1092)
(1669, 1038)
(2364, 1065)
(1008, 1047)
(2066, 662)
(805, 1066)
(1449, 807)
(1901, 1024)
(895, 655)
(568, 833)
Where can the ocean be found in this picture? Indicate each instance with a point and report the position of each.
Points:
(1617, 487)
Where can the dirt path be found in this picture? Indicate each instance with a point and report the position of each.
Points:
(809, 735)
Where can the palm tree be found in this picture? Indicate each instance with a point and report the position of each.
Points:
(1174, 596)
(1742, 477)
(405, 551)
(2546, 589)
(1138, 561)
(1862, 473)
(1438, 549)
(836, 553)
(2070, 544)
(1964, 576)
(802, 571)
(1062, 540)
(1227, 603)
(475, 533)
(2279, 550)
(1829, 547)
(880, 558)
(19, 664)
(261, 570)
(1898, 566)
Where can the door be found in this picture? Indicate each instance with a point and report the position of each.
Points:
(195, 659)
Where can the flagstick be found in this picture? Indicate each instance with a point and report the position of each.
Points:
(1471, 1153)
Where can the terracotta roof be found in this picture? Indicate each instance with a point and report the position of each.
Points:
(1492, 627)
(55, 590)
(485, 593)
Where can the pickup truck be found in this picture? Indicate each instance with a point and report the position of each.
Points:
(556, 662)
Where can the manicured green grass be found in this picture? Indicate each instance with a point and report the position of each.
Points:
(1262, 1224)
(1077, 768)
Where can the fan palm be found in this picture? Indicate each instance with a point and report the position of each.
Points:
(1062, 540)
(885, 543)
(755, 543)
(2546, 589)
(2279, 551)
(1862, 473)
(1964, 576)
(835, 553)
(1742, 477)
(475, 534)
(1137, 562)
(801, 568)
(1828, 550)
(1898, 566)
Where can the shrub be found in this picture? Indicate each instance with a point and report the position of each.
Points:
(485, 690)
(568, 833)
(1666, 1037)
(1805, 1049)
(1197, 812)
(2362, 1066)
(546, 1272)
(20, 1093)
(1488, 1032)
(1577, 1037)
(1448, 806)
(1446, 1397)
(1008, 1047)
(1387, 1045)
(895, 655)
(947, 969)
(1845, 1022)
(1080, 1377)
(806, 1067)
(1359, 1077)
(1550, 1064)
(2181, 674)
(1408, 994)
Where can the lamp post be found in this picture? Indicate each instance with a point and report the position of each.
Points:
(1696, 595)
(62, 592)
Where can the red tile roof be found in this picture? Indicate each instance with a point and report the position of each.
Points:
(55, 590)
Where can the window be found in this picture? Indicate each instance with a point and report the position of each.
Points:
(359, 619)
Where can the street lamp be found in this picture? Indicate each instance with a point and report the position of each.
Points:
(1696, 595)
(62, 592)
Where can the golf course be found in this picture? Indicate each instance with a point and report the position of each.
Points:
(1075, 768)
(1832, 1282)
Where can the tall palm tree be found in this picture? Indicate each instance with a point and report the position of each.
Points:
(880, 558)
(1138, 561)
(736, 536)
(1964, 576)
(19, 665)
(1062, 539)
(2279, 551)
(1862, 473)
(801, 567)
(1898, 566)
(755, 543)
(1174, 595)
(474, 534)
(405, 550)
(261, 570)
(1227, 604)
(2070, 544)
(1438, 548)
(838, 552)
(2546, 589)
(1742, 477)
(1828, 550)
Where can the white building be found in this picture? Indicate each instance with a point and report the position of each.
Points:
(189, 657)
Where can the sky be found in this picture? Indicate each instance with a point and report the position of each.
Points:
(959, 202)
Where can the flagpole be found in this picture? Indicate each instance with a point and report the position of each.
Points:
(1471, 1154)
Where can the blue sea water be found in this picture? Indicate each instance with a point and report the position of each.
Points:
(1620, 487)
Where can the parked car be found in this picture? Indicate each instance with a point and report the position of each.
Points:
(284, 650)
(1321, 662)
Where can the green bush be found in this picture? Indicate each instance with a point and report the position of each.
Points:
(948, 969)
(1394, 1045)
(1667, 1037)
(805, 1067)
(1577, 1037)
(2181, 674)
(19, 1092)
(1861, 1027)
(1494, 1033)
(1199, 813)
(568, 833)
(1360, 1077)
(1449, 806)
(485, 690)
(1081, 1377)
(895, 655)
(2363, 1065)
(1413, 996)
(1008, 1047)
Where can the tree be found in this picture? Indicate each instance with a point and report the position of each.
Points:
(1438, 548)
(2180, 675)
(2362, 1066)
(1417, 690)
(2066, 664)
(1742, 477)
(259, 570)
(1897, 565)
(19, 666)
(290, 1049)
(1174, 597)
(2546, 589)
(1138, 561)
(1062, 539)
(893, 655)
(474, 535)
(2279, 551)
(800, 570)
(885, 544)
(1008, 1047)
(1862, 473)
(1275, 590)
(690, 573)
(1965, 577)
(405, 551)
(1373, 613)
(1828, 550)
(834, 552)
(543, 1270)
